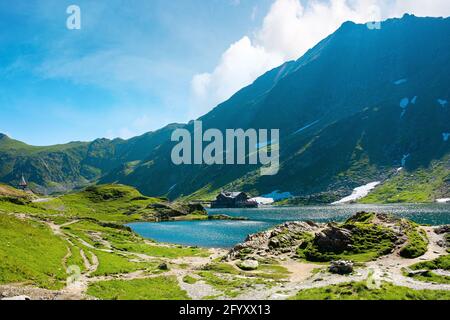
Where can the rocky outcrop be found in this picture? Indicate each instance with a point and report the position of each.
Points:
(283, 239)
(334, 239)
(379, 234)
(443, 230)
(167, 211)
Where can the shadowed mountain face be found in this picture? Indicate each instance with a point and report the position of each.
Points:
(352, 110)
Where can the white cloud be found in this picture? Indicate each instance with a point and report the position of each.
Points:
(288, 30)
(239, 65)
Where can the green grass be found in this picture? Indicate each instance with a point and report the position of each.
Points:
(162, 251)
(421, 186)
(417, 244)
(30, 253)
(115, 203)
(232, 282)
(159, 288)
(111, 263)
(127, 241)
(360, 291)
(442, 263)
(230, 285)
(75, 259)
(189, 280)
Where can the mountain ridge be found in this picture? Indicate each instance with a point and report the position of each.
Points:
(349, 111)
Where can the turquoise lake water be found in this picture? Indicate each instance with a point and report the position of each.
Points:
(226, 234)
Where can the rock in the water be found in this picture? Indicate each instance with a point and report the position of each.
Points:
(248, 265)
(341, 267)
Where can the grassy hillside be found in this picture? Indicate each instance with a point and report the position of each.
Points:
(421, 185)
(361, 291)
(44, 242)
(30, 253)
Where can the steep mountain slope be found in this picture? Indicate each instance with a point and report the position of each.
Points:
(353, 110)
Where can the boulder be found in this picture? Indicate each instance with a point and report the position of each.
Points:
(248, 265)
(341, 267)
(163, 266)
(333, 239)
(442, 229)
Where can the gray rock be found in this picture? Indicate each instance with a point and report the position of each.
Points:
(341, 267)
(333, 239)
(163, 266)
(248, 265)
(442, 229)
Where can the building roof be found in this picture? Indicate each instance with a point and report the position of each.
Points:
(231, 194)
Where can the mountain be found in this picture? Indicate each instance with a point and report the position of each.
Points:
(65, 167)
(354, 109)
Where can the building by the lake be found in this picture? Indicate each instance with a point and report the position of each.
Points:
(233, 200)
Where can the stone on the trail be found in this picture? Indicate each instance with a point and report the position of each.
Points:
(23, 297)
(341, 267)
(417, 272)
(248, 265)
(163, 266)
(442, 229)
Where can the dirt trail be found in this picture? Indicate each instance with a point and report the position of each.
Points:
(389, 268)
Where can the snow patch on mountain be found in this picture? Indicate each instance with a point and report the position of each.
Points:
(442, 102)
(445, 136)
(414, 100)
(263, 200)
(359, 193)
(443, 200)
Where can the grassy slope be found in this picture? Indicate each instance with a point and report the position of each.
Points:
(30, 253)
(422, 185)
(360, 291)
(159, 288)
(114, 203)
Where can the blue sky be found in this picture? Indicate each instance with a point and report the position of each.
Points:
(137, 65)
(127, 71)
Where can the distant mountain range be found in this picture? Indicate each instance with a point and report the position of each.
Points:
(361, 106)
